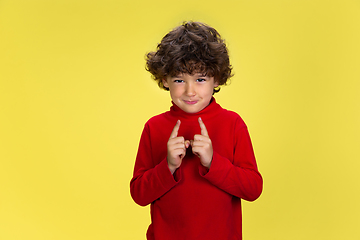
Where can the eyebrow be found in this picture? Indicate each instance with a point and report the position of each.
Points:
(201, 74)
(196, 74)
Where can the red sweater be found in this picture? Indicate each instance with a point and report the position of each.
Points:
(196, 203)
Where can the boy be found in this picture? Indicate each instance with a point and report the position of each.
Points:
(195, 162)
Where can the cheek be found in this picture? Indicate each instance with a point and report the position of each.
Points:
(175, 92)
(208, 91)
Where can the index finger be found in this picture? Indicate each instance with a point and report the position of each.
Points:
(174, 132)
(204, 131)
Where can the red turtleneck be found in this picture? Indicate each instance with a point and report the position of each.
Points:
(196, 203)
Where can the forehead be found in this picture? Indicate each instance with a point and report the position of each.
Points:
(198, 74)
(191, 67)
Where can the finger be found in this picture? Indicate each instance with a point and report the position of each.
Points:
(178, 146)
(179, 152)
(196, 151)
(172, 150)
(198, 137)
(204, 131)
(176, 140)
(174, 132)
(198, 144)
(187, 143)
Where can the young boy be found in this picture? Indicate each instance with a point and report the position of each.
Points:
(195, 162)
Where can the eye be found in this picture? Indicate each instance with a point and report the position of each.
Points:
(201, 80)
(178, 81)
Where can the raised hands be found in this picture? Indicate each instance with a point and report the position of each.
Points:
(176, 148)
(201, 147)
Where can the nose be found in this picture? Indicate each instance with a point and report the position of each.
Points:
(190, 89)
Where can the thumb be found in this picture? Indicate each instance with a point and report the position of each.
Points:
(187, 143)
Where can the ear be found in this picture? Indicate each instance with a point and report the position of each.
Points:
(165, 83)
(216, 84)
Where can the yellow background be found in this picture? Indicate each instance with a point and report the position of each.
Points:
(74, 97)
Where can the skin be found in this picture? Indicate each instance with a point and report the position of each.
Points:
(191, 93)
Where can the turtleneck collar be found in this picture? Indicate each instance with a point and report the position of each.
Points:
(208, 112)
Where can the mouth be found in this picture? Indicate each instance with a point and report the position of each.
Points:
(190, 102)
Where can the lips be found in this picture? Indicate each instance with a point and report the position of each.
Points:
(190, 102)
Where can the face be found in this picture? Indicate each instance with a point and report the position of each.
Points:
(191, 93)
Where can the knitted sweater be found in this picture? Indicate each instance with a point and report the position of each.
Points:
(196, 202)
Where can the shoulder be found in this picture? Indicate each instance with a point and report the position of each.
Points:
(158, 118)
(231, 116)
(159, 122)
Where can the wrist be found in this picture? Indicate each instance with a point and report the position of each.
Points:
(207, 164)
(172, 168)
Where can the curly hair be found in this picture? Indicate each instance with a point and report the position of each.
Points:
(192, 47)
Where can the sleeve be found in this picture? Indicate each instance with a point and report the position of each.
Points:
(241, 177)
(149, 181)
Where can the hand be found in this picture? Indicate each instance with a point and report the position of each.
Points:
(176, 149)
(202, 146)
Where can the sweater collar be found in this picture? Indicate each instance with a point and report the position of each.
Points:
(208, 112)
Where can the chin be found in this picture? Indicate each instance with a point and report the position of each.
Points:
(192, 110)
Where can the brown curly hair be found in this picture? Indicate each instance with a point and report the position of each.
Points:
(190, 48)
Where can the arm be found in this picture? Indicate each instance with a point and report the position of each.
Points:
(149, 181)
(240, 178)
